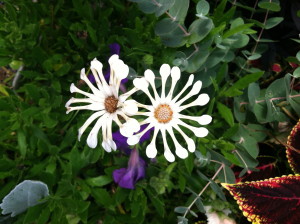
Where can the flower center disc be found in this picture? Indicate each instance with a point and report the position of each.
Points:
(111, 104)
(163, 113)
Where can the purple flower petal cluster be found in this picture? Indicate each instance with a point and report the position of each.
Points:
(127, 177)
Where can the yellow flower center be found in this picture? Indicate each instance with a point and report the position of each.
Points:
(163, 113)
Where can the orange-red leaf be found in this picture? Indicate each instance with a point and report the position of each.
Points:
(272, 201)
(293, 148)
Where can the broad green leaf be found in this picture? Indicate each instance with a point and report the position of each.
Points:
(169, 32)
(242, 83)
(179, 10)
(298, 56)
(253, 94)
(260, 111)
(296, 73)
(272, 22)
(272, 6)
(202, 8)
(199, 29)
(226, 113)
(163, 6)
(24, 195)
(245, 159)
(99, 181)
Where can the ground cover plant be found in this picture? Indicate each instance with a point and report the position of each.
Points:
(149, 111)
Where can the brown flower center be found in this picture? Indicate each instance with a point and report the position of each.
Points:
(111, 104)
(163, 113)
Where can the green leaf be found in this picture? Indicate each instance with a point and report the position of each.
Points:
(3, 90)
(253, 94)
(296, 73)
(163, 6)
(254, 56)
(202, 8)
(272, 22)
(199, 29)
(4, 61)
(245, 159)
(272, 6)
(99, 181)
(179, 10)
(22, 143)
(237, 29)
(157, 203)
(169, 32)
(180, 209)
(298, 56)
(295, 104)
(226, 113)
(242, 83)
(24, 195)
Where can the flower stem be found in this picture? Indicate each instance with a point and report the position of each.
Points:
(205, 187)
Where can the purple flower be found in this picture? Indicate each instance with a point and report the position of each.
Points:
(127, 177)
(121, 141)
(114, 49)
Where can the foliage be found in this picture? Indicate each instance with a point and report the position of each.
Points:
(229, 45)
(268, 201)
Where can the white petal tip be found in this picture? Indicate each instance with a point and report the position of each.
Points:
(73, 88)
(82, 73)
(92, 140)
(202, 99)
(169, 156)
(181, 153)
(190, 80)
(130, 107)
(151, 151)
(70, 101)
(133, 140)
(175, 73)
(205, 119)
(140, 83)
(165, 70)
(191, 145)
(201, 132)
(196, 88)
(114, 58)
(95, 64)
(149, 75)
(106, 146)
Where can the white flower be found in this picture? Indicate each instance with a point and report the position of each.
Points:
(165, 112)
(106, 103)
(215, 218)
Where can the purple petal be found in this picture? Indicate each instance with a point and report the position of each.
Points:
(121, 141)
(115, 48)
(127, 177)
(123, 178)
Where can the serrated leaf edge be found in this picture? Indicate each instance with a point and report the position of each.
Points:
(289, 143)
(255, 219)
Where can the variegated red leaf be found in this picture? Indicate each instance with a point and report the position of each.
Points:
(266, 169)
(272, 201)
(293, 148)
